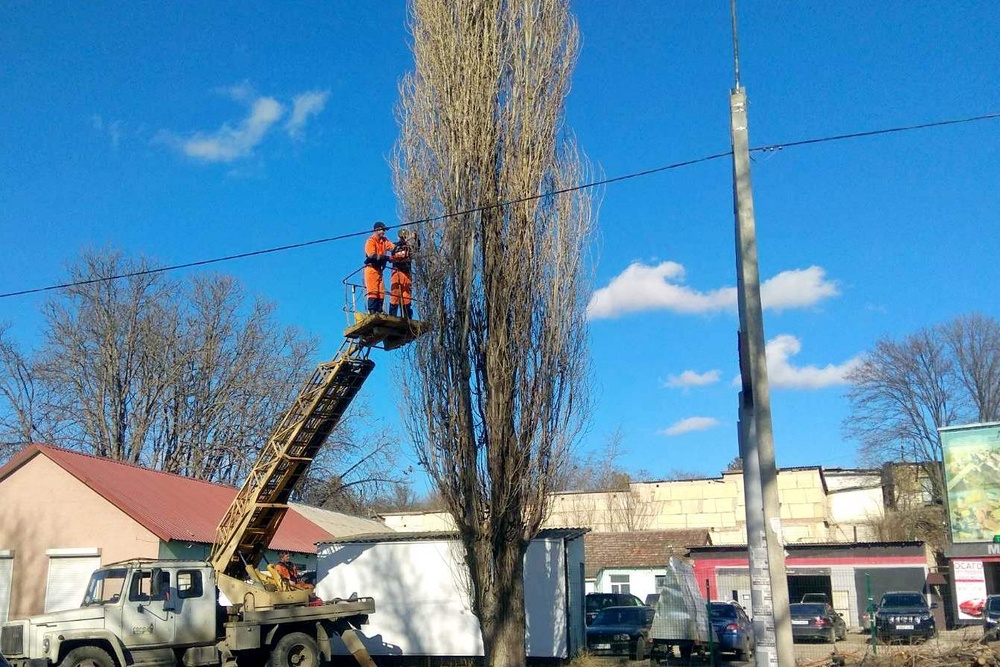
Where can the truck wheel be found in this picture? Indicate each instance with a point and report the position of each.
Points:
(296, 649)
(87, 656)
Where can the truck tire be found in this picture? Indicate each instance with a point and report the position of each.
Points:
(296, 649)
(87, 656)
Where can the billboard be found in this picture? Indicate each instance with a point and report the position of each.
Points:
(970, 588)
(972, 477)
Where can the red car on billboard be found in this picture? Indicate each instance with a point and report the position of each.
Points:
(972, 607)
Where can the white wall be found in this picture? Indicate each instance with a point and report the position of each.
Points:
(642, 582)
(421, 600)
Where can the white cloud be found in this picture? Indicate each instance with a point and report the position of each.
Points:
(241, 92)
(782, 374)
(230, 143)
(797, 288)
(303, 106)
(688, 425)
(692, 379)
(641, 287)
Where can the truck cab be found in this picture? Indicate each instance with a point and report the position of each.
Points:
(133, 611)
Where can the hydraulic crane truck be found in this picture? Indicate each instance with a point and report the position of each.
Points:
(173, 613)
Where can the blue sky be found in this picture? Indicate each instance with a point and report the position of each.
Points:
(197, 130)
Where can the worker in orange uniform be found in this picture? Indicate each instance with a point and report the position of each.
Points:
(377, 251)
(289, 571)
(400, 278)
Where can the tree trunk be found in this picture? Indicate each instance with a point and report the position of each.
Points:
(504, 627)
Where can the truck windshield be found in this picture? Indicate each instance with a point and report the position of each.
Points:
(105, 586)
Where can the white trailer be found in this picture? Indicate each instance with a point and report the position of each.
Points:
(421, 583)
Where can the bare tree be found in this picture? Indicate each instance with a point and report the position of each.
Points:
(104, 356)
(903, 391)
(20, 398)
(595, 470)
(495, 391)
(234, 372)
(184, 377)
(974, 342)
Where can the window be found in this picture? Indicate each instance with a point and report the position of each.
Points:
(189, 584)
(660, 581)
(105, 586)
(140, 589)
(620, 583)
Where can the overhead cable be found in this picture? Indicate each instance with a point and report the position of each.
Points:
(488, 207)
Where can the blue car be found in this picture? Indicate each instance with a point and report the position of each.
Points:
(621, 631)
(733, 630)
(991, 617)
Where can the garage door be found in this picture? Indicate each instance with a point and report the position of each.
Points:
(69, 572)
(6, 573)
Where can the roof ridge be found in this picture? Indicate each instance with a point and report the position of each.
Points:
(130, 464)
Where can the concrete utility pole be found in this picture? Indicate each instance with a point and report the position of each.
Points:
(760, 476)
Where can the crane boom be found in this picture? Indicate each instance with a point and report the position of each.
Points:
(254, 516)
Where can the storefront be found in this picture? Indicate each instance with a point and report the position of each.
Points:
(846, 573)
(975, 573)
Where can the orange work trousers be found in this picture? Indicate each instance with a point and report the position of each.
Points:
(400, 288)
(400, 293)
(374, 289)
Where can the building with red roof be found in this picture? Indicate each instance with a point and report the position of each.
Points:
(63, 514)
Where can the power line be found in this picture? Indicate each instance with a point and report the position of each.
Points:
(873, 133)
(489, 207)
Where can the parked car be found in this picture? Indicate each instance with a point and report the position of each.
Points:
(733, 630)
(598, 601)
(621, 631)
(821, 598)
(904, 615)
(991, 617)
(816, 620)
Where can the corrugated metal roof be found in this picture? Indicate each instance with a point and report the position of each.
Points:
(337, 523)
(638, 549)
(431, 536)
(170, 506)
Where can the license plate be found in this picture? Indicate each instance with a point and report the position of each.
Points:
(602, 646)
(797, 622)
(906, 626)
